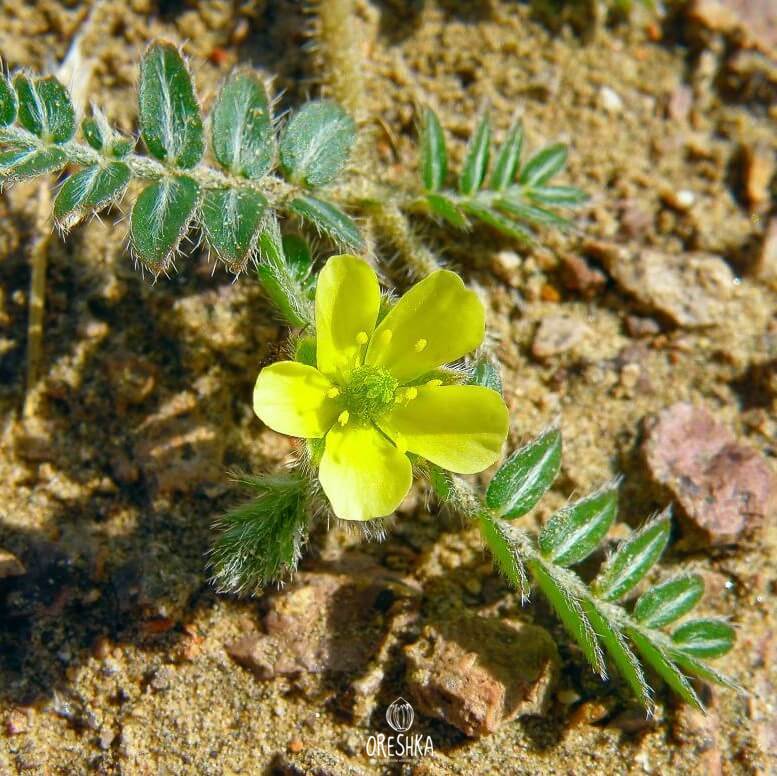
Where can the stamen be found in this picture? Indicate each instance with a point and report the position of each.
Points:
(362, 338)
(411, 393)
(386, 336)
(434, 383)
(342, 418)
(333, 392)
(420, 345)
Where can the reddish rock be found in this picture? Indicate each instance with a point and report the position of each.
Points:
(578, 275)
(476, 673)
(725, 489)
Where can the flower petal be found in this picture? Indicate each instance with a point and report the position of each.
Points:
(437, 321)
(347, 305)
(459, 427)
(362, 473)
(291, 398)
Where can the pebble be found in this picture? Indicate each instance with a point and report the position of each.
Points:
(725, 489)
(759, 165)
(578, 275)
(557, 334)
(610, 100)
(766, 262)
(756, 20)
(506, 266)
(477, 673)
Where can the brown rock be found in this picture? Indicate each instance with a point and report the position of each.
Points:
(476, 673)
(755, 21)
(641, 327)
(724, 489)
(758, 168)
(578, 275)
(10, 565)
(556, 334)
(766, 263)
(691, 289)
(506, 265)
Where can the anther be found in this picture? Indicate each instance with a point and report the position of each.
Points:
(362, 338)
(420, 345)
(434, 383)
(333, 392)
(342, 418)
(411, 393)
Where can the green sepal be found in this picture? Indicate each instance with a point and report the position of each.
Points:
(669, 601)
(45, 108)
(329, 219)
(496, 220)
(476, 159)
(486, 372)
(160, 218)
(526, 475)
(704, 637)
(571, 614)
(168, 112)
(241, 126)
(633, 559)
(447, 210)
(441, 481)
(231, 219)
(546, 163)
(8, 103)
(23, 163)
(508, 159)
(316, 143)
(434, 156)
(576, 530)
(90, 189)
(662, 664)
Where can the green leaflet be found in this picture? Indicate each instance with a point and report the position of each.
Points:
(8, 103)
(476, 159)
(241, 126)
(496, 534)
(526, 475)
(90, 189)
(434, 157)
(93, 133)
(575, 531)
(486, 372)
(633, 559)
(622, 655)
(316, 143)
(160, 218)
(168, 112)
(570, 612)
(704, 637)
(515, 208)
(496, 220)
(448, 210)
(663, 665)
(544, 165)
(231, 219)
(298, 257)
(45, 108)
(441, 482)
(561, 196)
(696, 667)
(19, 164)
(669, 601)
(328, 219)
(508, 159)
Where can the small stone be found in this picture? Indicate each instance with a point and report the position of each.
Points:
(680, 103)
(755, 20)
(591, 712)
(633, 721)
(641, 327)
(557, 334)
(682, 200)
(296, 745)
(578, 275)
(610, 100)
(693, 290)
(506, 266)
(162, 678)
(766, 263)
(10, 565)
(759, 163)
(18, 722)
(107, 737)
(476, 673)
(724, 488)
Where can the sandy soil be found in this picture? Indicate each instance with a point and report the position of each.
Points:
(112, 644)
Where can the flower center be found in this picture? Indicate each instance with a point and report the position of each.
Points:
(369, 393)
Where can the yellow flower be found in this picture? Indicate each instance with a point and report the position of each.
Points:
(372, 396)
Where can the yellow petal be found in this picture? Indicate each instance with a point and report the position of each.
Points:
(459, 427)
(437, 321)
(294, 399)
(363, 475)
(347, 304)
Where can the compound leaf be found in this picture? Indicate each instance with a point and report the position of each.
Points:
(544, 165)
(241, 126)
(316, 143)
(160, 218)
(8, 103)
(476, 159)
(704, 637)
(231, 219)
(633, 559)
(434, 156)
(575, 531)
(508, 159)
(168, 112)
(328, 219)
(526, 475)
(669, 601)
(92, 188)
